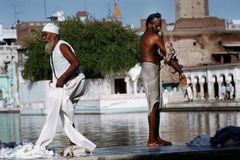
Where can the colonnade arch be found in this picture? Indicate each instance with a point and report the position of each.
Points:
(205, 87)
(216, 87)
(207, 81)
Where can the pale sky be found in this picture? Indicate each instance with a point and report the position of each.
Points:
(132, 10)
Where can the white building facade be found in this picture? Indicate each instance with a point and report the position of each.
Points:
(207, 80)
(9, 59)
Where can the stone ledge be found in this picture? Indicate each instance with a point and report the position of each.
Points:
(164, 153)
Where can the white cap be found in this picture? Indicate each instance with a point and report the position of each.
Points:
(50, 27)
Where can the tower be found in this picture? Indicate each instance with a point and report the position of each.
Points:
(117, 13)
(191, 8)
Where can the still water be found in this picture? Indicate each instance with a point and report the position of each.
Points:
(119, 129)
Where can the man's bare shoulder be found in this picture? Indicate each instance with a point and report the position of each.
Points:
(150, 35)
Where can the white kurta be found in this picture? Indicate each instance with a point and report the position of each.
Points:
(60, 102)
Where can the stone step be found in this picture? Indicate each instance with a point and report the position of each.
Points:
(179, 152)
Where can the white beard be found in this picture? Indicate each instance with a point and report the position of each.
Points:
(49, 46)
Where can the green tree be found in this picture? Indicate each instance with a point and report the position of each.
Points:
(37, 66)
(103, 47)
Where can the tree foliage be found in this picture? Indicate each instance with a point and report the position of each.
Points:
(102, 47)
(37, 66)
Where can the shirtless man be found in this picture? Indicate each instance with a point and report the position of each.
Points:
(150, 44)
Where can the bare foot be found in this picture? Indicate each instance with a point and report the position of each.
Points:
(154, 144)
(162, 142)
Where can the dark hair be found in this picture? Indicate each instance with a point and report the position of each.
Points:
(151, 17)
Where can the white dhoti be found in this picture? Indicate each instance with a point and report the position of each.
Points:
(60, 102)
(150, 75)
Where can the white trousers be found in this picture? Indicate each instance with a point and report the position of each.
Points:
(59, 103)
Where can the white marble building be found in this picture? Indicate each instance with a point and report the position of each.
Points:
(207, 80)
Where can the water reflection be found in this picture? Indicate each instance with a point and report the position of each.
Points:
(9, 127)
(120, 129)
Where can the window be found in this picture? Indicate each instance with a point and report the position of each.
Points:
(120, 86)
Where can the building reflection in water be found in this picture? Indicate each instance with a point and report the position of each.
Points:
(180, 127)
(120, 129)
(10, 127)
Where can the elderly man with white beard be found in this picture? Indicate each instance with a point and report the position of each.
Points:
(64, 91)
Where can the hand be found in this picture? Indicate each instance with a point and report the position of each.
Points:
(60, 82)
(182, 79)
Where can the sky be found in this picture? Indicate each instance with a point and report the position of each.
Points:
(132, 10)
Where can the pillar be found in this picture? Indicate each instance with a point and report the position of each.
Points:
(220, 81)
(237, 90)
(202, 81)
(135, 86)
(211, 88)
(201, 91)
(194, 89)
(237, 83)
(127, 80)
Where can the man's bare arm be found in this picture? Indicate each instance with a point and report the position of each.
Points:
(171, 62)
(160, 44)
(175, 65)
